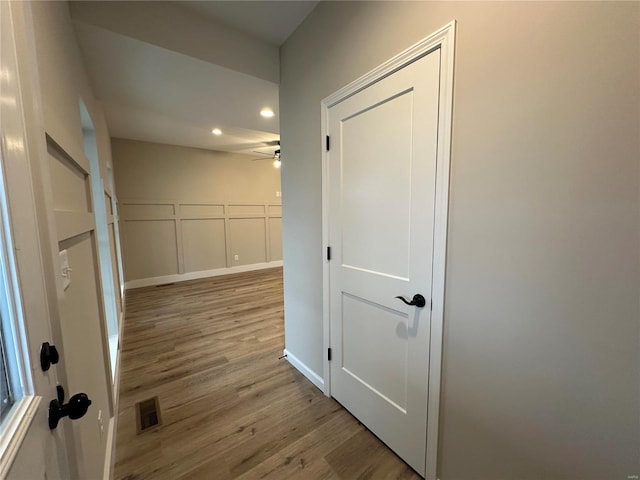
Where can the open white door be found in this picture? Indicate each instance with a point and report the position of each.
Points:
(50, 211)
(28, 448)
(385, 221)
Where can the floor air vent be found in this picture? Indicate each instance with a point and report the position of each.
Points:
(148, 415)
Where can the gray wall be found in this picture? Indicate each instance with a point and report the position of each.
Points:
(541, 351)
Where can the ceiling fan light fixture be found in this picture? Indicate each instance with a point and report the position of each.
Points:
(277, 162)
(216, 131)
(267, 113)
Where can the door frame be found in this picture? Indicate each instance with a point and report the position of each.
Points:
(443, 39)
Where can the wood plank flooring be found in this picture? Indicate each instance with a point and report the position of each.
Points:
(230, 409)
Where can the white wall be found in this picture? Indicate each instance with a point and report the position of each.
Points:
(541, 353)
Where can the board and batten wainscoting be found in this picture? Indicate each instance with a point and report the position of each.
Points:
(169, 241)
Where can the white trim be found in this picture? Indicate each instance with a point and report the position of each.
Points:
(110, 451)
(116, 376)
(18, 423)
(181, 277)
(444, 38)
(115, 380)
(411, 54)
(443, 166)
(121, 315)
(312, 376)
(326, 290)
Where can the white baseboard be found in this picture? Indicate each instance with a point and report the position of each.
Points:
(181, 277)
(312, 376)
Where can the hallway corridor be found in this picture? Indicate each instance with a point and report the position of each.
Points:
(208, 349)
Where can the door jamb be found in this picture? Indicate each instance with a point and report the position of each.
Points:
(444, 39)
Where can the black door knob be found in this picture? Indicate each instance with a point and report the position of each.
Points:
(417, 301)
(76, 408)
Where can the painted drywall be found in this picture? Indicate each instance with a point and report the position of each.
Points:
(171, 26)
(541, 352)
(187, 210)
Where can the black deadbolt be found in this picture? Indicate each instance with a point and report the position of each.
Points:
(48, 356)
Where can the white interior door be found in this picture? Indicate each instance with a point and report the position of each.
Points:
(28, 448)
(49, 192)
(382, 178)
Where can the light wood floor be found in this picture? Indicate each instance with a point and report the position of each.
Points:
(230, 409)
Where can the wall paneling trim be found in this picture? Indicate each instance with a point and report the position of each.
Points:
(169, 241)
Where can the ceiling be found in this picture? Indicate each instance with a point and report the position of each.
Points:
(170, 72)
(271, 22)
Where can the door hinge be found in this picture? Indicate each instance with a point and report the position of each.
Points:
(329, 354)
(328, 143)
(328, 253)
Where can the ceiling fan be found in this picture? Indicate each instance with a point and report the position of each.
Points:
(267, 156)
(249, 146)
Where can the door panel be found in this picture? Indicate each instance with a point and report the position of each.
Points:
(381, 221)
(81, 308)
(72, 187)
(79, 300)
(368, 212)
(368, 356)
(84, 350)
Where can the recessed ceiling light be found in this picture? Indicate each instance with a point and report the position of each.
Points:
(216, 131)
(267, 113)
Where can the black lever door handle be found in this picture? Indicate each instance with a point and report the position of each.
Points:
(417, 301)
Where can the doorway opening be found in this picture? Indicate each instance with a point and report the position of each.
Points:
(105, 230)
